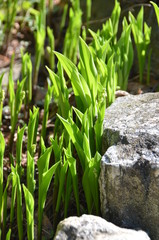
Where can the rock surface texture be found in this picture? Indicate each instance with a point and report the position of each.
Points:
(129, 178)
(89, 227)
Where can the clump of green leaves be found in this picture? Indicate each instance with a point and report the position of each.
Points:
(124, 55)
(73, 31)
(86, 133)
(15, 102)
(8, 14)
(45, 176)
(102, 66)
(142, 33)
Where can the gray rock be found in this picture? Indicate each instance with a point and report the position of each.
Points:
(129, 178)
(89, 227)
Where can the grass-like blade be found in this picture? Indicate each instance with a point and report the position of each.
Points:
(73, 170)
(29, 202)
(19, 148)
(156, 10)
(80, 87)
(2, 148)
(88, 70)
(32, 130)
(30, 173)
(43, 188)
(2, 95)
(62, 176)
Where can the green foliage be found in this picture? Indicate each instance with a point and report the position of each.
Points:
(2, 148)
(2, 95)
(89, 99)
(113, 57)
(7, 19)
(46, 111)
(83, 85)
(39, 48)
(73, 171)
(19, 149)
(156, 8)
(73, 32)
(125, 55)
(63, 20)
(88, 11)
(142, 34)
(15, 103)
(45, 176)
(13, 196)
(19, 202)
(4, 204)
(51, 47)
(27, 73)
(32, 130)
(79, 85)
(29, 202)
(30, 174)
(60, 91)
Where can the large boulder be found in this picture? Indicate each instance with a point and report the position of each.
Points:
(89, 227)
(129, 178)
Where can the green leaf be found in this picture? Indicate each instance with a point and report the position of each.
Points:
(2, 148)
(42, 145)
(115, 17)
(62, 178)
(29, 202)
(72, 167)
(13, 196)
(4, 201)
(88, 70)
(60, 91)
(80, 87)
(43, 188)
(156, 8)
(32, 129)
(140, 19)
(1, 78)
(86, 147)
(30, 173)
(68, 192)
(57, 148)
(46, 111)
(19, 147)
(79, 114)
(19, 209)
(87, 191)
(55, 81)
(43, 162)
(93, 175)
(8, 234)
(76, 137)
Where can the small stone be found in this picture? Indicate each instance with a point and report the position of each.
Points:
(89, 227)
